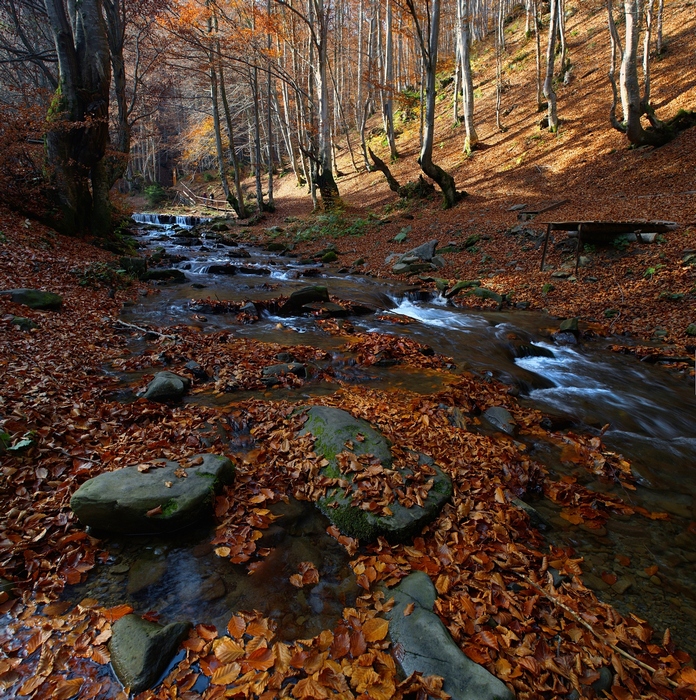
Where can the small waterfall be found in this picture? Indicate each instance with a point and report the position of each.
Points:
(169, 219)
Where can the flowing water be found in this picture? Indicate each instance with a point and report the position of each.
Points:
(650, 413)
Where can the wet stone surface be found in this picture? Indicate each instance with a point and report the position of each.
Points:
(182, 578)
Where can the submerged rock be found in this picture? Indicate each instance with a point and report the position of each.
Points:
(142, 650)
(332, 428)
(426, 646)
(164, 498)
(167, 386)
(35, 299)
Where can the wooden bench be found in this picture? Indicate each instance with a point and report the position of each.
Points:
(602, 232)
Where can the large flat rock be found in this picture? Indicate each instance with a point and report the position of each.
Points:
(332, 429)
(426, 646)
(175, 497)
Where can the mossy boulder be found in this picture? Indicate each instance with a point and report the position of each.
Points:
(35, 299)
(142, 650)
(23, 323)
(167, 496)
(332, 428)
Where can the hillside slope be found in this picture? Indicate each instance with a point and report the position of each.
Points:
(587, 165)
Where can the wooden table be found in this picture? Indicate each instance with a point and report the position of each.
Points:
(602, 232)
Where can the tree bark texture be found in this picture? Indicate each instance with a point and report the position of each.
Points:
(78, 120)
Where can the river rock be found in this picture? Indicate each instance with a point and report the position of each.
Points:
(501, 418)
(119, 501)
(424, 252)
(35, 299)
(296, 368)
(300, 297)
(167, 386)
(141, 650)
(565, 338)
(570, 325)
(145, 572)
(426, 646)
(530, 350)
(197, 371)
(535, 517)
(23, 323)
(171, 275)
(222, 270)
(137, 267)
(332, 428)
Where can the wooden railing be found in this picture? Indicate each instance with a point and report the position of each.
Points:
(197, 200)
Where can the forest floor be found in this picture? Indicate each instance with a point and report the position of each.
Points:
(511, 602)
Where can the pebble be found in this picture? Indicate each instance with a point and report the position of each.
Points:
(622, 585)
(656, 580)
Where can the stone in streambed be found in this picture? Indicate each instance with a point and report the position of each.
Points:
(171, 275)
(144, 573)
(332, 428)
(142, 650)
(426, 646)
(296, 368)
(167, 386)
(120, 501)
(300, 297)
(35, 299)
(501, 418)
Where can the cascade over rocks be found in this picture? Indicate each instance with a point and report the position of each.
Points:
(166, 497)
(427, 647)
(333, 428)
(141, 650)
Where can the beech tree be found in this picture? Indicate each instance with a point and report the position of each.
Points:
(78, 121)
(428, 43)
(634, 102)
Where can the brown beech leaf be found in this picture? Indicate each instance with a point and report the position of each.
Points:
(227, 650)
(409, 609)
(226, 674)
(236, 627)
(66, 689)
(154, 511)
(375, 629)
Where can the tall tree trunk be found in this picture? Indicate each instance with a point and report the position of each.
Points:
(237, 202)
(324, 164)
(549, 92)
(222, 170)
(78, 119)
(388, 91)
(471, 139)
(429, 49)
(537, 42)
(269, 116)
(257, 139)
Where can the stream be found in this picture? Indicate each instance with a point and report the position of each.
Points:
(650, 413)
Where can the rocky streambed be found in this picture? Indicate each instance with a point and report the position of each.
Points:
(304, 329)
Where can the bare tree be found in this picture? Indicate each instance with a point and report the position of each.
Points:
(549, 91)
(428, 48)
